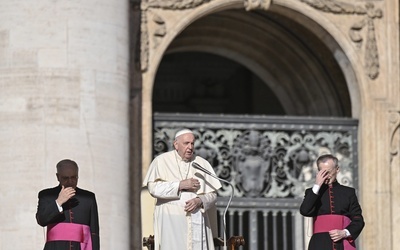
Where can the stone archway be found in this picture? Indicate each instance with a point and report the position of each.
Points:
(162, 22)
(292, 63)
(165, 20)
(290, 60)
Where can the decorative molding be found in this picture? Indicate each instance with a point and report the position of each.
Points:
(144, 42)
(371, 47)
(394, 121)
(161, 29)
(257, 4)
(336, 7)
(176, 5)
(371, 58)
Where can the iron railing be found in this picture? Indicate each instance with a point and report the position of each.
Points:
(270, 161)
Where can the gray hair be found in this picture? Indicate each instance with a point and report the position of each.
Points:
(325, 158)
(64, 163)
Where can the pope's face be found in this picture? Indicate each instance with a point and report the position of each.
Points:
(331, 169)
(184, 145)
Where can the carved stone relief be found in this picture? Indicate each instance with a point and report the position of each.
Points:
(176, 5)
(371, 57)
(144, 40)
(257, 4)
(161, 29)
(158, 34)
(394, 121)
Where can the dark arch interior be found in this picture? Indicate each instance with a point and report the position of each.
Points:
(238, 62)
(192, 82)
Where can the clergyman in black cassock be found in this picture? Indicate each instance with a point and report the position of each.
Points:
(330, 204)
(69, 208)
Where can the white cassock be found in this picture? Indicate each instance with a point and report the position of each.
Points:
(173, 227)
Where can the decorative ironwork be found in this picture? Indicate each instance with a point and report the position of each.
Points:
(270, 161)
(265, 157)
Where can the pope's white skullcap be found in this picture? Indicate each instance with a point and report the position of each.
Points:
(182, 132)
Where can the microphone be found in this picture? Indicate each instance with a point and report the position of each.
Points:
(198, 167)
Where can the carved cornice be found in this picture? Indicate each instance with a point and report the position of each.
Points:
(333, 6)
(175, 5)
(371, 57)
(394, 122)
(257, 4)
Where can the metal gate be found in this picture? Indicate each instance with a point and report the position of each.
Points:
(270, 162)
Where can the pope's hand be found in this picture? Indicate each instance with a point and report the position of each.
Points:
(193, 204)
(190, 185)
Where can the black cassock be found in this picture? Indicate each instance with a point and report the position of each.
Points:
(335, 199)
(81, 209)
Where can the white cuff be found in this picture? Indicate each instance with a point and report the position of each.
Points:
(59, 207)
(315, 188)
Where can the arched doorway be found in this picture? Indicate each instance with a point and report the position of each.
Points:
(259, 63)
(250, 60)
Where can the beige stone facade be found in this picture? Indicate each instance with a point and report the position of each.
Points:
(70, 88)
(363, 36)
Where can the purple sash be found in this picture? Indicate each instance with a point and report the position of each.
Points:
(326, 223)
(70, 232)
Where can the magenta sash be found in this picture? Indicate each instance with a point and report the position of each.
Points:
(326, 223)
(70, 232)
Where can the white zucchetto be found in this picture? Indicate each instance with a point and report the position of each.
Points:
(183, 131)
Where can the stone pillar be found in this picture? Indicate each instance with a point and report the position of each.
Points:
(64, 93)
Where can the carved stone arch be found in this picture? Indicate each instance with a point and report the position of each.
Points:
(177, 21)
(315, 20)
(151, 55)
(369, 98)
(260, 64)
(341, 46)
(298, 77)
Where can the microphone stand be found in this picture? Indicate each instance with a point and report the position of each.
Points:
(197, 166)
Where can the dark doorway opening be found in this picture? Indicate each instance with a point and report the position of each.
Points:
(196, 82)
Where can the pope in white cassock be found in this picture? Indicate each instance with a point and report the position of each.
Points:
(185, 213)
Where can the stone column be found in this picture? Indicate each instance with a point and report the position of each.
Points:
(64, 93)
